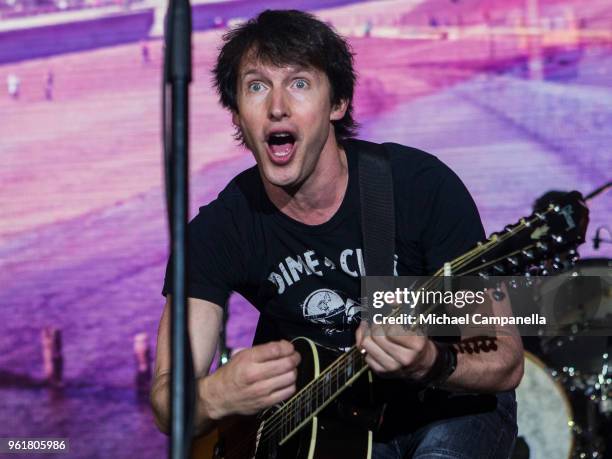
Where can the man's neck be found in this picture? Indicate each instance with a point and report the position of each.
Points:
(320, 196)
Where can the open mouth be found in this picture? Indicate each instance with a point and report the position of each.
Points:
(281, 144)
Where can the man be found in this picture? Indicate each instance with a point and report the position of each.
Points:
(286, 235)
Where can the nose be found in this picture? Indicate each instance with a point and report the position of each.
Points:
(278, 105)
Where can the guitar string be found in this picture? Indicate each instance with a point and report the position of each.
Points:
(300, 399)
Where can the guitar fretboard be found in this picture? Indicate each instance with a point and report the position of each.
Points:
(316, 395)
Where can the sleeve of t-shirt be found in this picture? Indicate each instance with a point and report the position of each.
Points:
(213, 256)
(452, 223)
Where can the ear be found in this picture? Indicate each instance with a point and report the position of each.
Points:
(235, 118)
(338, 111)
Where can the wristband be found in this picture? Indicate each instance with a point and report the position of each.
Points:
(444, 365)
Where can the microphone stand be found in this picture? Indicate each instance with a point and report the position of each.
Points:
(177, 76)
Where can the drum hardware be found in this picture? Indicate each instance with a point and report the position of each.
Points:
(545, 414)
(579, 360)
(604, 385)
(597, 388)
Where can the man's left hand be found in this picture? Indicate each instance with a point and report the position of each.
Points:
(391, 353)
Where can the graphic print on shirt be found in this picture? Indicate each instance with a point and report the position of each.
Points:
(331, 308)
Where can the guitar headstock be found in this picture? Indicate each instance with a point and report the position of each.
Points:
(538, 244)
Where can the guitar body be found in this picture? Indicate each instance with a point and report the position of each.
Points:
(342, 429)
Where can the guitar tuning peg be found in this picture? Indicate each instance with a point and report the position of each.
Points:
(556, 238)
(513, 283)
(528, 280)
(527, 254)
(573, 256)
(498, 294)
(513, 261)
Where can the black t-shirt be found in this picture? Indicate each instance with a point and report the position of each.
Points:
(304, 279)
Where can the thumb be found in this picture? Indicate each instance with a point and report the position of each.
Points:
(361, 332)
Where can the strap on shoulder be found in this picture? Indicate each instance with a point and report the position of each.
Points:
(377, 209)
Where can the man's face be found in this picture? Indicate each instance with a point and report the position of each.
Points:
(285, 114)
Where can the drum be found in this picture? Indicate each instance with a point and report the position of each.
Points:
(545, 415)
(584, 303)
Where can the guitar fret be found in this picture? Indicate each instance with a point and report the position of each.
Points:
(309, 402)
(349, 367)
(287, 422)
(336, 377)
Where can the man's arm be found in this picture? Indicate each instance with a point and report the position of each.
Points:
(254, 379)
(205, 318)
(498, 363)
(491, 369)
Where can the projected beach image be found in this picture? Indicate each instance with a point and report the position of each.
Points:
(514, 95)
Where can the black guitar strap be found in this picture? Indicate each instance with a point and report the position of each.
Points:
(378, 228)
(377, 209)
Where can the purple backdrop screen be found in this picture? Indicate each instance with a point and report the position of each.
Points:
(515, 96)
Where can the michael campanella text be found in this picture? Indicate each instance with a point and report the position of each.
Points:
(466, 319)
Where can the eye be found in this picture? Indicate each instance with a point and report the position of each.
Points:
(300, 83)
(255, 86)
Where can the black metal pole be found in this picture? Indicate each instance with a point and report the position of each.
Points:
(177, 74)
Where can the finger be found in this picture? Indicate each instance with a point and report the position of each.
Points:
(360, 333)
(374, 365)
(379, 355)
(276, 383)
(403, 352)
(415, 343)
(272, 351)
(277, 367)
(399, 330)
(279, 396)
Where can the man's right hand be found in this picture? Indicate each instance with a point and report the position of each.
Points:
(253, 380)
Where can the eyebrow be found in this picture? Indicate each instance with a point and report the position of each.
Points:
(249, 72)
(296, 69)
